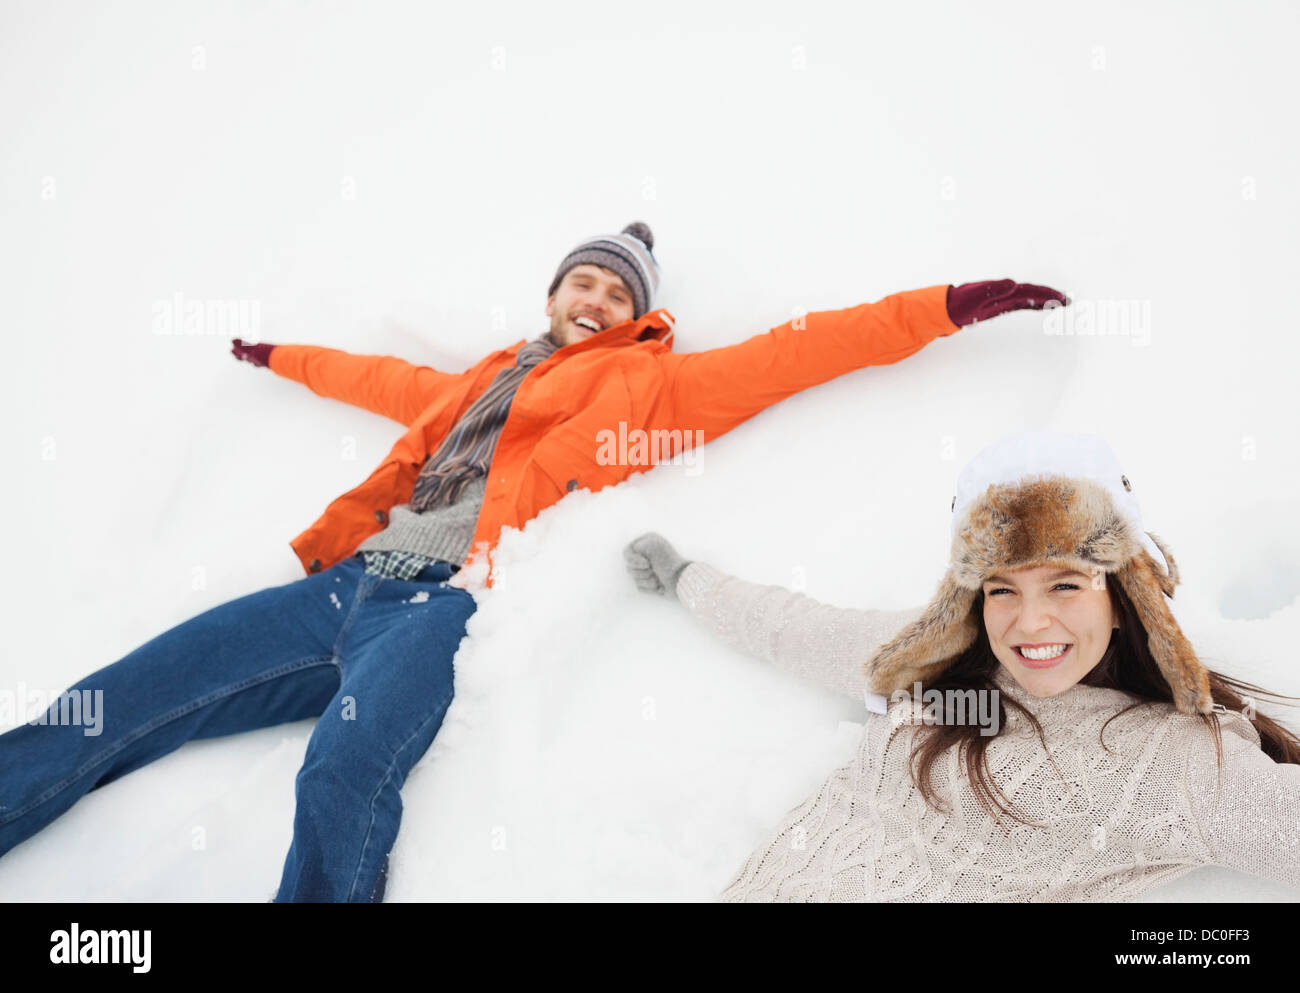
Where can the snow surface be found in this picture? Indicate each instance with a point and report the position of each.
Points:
(398, 179)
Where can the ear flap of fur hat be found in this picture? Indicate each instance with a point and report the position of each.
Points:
(1147, 586)
(1042, 520)
(926, 647)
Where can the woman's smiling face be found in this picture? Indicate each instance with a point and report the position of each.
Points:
(1060, 619)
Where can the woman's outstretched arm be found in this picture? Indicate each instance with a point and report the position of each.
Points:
(825, 645)
(1249, 818)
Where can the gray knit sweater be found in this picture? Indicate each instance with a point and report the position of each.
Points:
(439, 533)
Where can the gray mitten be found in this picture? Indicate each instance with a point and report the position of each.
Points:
(654, 564)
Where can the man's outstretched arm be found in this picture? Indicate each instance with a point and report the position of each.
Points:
(715, 390)
(382, 384)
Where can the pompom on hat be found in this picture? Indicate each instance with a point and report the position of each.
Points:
(1034, 499)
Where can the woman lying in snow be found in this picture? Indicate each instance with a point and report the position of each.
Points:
(1053, 606)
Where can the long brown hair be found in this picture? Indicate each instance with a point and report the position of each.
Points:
(1127, 665)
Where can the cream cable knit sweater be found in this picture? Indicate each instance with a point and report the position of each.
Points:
(1117, 824)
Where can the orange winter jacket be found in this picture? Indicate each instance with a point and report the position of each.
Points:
(625, 378)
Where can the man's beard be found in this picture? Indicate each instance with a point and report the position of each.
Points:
(553, 335)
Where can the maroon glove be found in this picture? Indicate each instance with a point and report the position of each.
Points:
(256, 354)
(971, 302)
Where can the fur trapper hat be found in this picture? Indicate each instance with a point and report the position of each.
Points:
(1034, 499)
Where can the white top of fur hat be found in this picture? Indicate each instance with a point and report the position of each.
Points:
(1038, 453)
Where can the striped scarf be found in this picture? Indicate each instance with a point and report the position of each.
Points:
(467, 450)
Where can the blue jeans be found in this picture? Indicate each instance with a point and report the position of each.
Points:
(370, 656)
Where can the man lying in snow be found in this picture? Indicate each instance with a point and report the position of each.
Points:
(485, 449)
